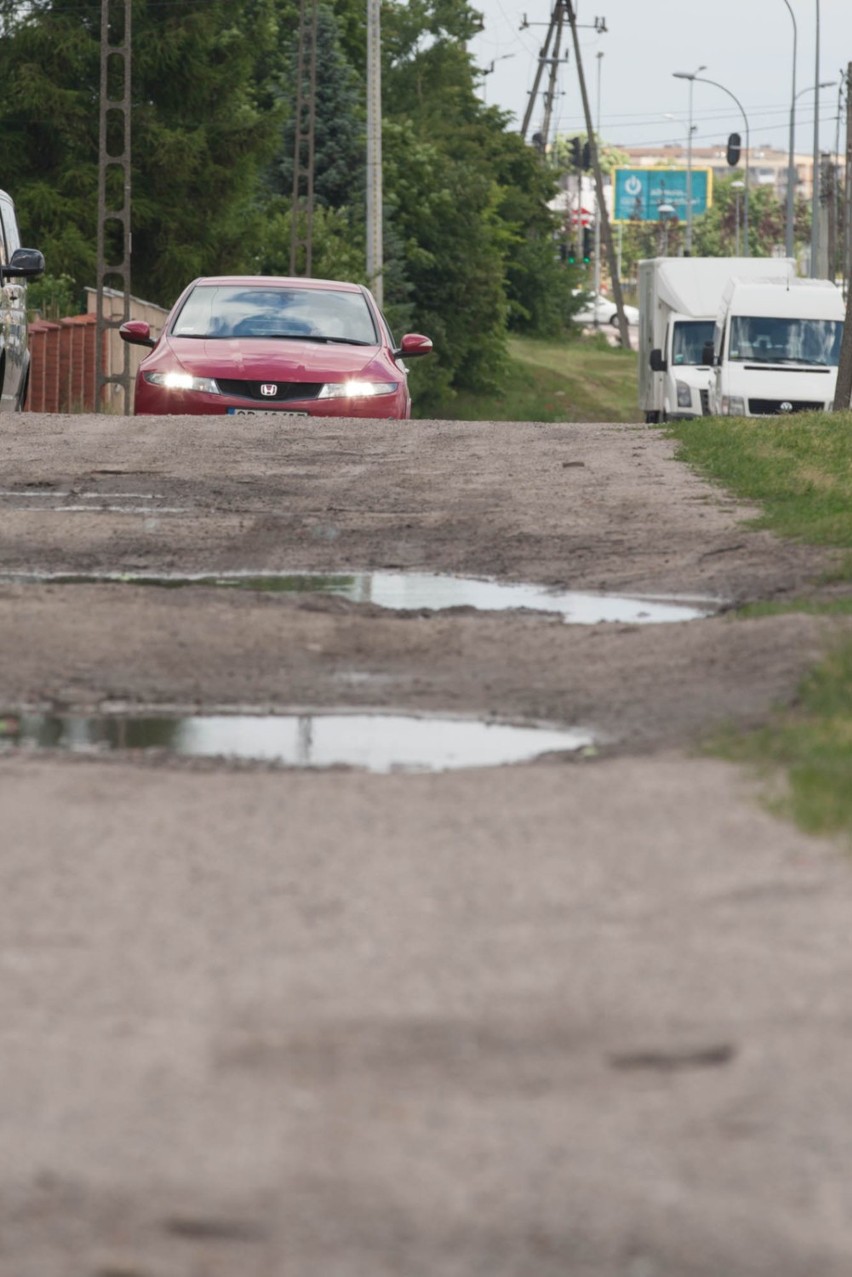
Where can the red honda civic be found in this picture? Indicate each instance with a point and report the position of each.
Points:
(245, 344)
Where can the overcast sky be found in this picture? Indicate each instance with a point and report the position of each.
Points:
(746, 45)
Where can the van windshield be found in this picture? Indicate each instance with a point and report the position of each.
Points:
(688, 341)
(786, 341)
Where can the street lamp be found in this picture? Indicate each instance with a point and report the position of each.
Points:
(691, 76)
(791, 164)
(716, 85)
(791, 168)
(489, 70)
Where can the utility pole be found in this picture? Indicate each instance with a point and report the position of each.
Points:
(543, 60)
(606, 232)
(375, 258)
(843, 388)
(114, 242)
(561, 10)
(304, 132)
(814, 271)
(847, 202)
(550, 95)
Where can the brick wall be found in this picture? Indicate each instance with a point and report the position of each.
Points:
(63, 364)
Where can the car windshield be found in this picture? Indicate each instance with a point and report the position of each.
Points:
(769, 340)
(688, 341)
(241, 310)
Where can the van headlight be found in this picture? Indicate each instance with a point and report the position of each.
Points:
(176, 380)
(684, 394)
(733, 406)
(357, 389)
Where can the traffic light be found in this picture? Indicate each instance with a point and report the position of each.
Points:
(588, 243)
(587, 155)
(576, 152)
(734, 149)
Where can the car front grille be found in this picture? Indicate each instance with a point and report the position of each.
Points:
(284, 390)
(772, 407)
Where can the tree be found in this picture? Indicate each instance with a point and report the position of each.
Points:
(715, 232)
(201, 135)
(339, 148)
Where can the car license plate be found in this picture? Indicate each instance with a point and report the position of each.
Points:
(264, 412)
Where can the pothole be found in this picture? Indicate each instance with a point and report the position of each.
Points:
(371, 742)
(415, 591)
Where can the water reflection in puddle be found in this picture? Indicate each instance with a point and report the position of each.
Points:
(421, 590)
(372, 742)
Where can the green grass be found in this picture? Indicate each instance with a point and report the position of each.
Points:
(575, 379)
(799, 470)
(811, 746)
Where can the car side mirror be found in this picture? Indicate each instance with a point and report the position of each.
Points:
(413, 344)
(707, 354)
(658, 364)
(25, 263)
(136, 333)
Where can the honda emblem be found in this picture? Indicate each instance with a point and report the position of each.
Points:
(268, 390)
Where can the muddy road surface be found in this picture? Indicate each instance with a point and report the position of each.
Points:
(586, 1014)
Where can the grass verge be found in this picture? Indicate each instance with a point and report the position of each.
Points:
(800, 471)
(575, 379)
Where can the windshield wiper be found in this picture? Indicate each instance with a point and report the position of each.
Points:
(346, 341)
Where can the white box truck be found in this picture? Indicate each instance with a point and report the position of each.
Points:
(678, 303)
(776, 347)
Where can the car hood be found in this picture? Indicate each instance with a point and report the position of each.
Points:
(263, 358)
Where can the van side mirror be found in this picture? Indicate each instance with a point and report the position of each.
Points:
(707, 355)
(658, 364)
(25, 263)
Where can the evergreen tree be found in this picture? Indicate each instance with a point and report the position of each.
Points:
(339, 151)
(200, 135)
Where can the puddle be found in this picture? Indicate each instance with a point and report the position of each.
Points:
(372, 742)
(419, 590)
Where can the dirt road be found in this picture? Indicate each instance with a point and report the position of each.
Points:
(586, 1016)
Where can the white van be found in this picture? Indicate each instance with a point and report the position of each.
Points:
(776, 347)
(678, 301)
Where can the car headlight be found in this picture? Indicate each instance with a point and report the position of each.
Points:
(182, 381)
(733, 406)
(356, 389)
(684, 394)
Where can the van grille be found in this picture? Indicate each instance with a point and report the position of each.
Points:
(772, 407)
